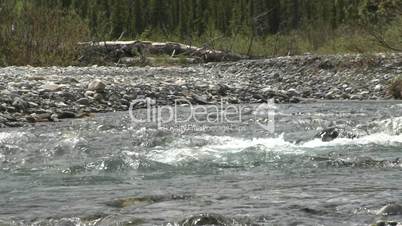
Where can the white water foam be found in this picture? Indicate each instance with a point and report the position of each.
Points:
(220, 146)
(6, 137)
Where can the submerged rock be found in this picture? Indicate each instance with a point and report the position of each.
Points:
(386, 223)
(390, 209)
(134, 201)
(332, 133)
(207, 219)
(328, 134)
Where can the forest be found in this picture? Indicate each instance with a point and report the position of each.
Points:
(46, 32)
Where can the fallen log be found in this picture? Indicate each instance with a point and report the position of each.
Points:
(114, 51)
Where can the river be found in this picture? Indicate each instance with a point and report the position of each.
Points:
(108, 170)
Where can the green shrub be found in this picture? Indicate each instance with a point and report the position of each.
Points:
(41, 37)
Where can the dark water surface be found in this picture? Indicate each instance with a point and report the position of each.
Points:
(107, 171)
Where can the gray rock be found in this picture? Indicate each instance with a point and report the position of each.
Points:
(349, 90)
(97, 85)
(89, 93)
(33, 104)
(330, 95)
(292, 93)
(294, 100)
(66, 115)
(3, 107)
(345, 96)
(378, 88)
(200, 99)
(277, 76)
(380, 223)
(392, 223)
(68, 80)
(364, 93)
(98, 97)
(83, 101)
(45, 117)
(3, 119)
(20, 104)
(54, 118)
(51, 87)
(356, 97)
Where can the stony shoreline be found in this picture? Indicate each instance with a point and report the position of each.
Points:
(29, 95)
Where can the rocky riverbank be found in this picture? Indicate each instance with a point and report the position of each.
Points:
(31, 94)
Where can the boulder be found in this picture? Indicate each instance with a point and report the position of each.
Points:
(97, 85)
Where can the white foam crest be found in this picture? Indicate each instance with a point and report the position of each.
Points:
(11, 136)
(219, 146)
(392, 125)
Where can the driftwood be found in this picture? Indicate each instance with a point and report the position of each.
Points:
(115, 51)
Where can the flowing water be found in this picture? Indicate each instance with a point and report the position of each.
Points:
(109, 171)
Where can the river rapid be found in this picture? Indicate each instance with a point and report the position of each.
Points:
(108, 170)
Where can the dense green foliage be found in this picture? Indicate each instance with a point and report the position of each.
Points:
(28, 29)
